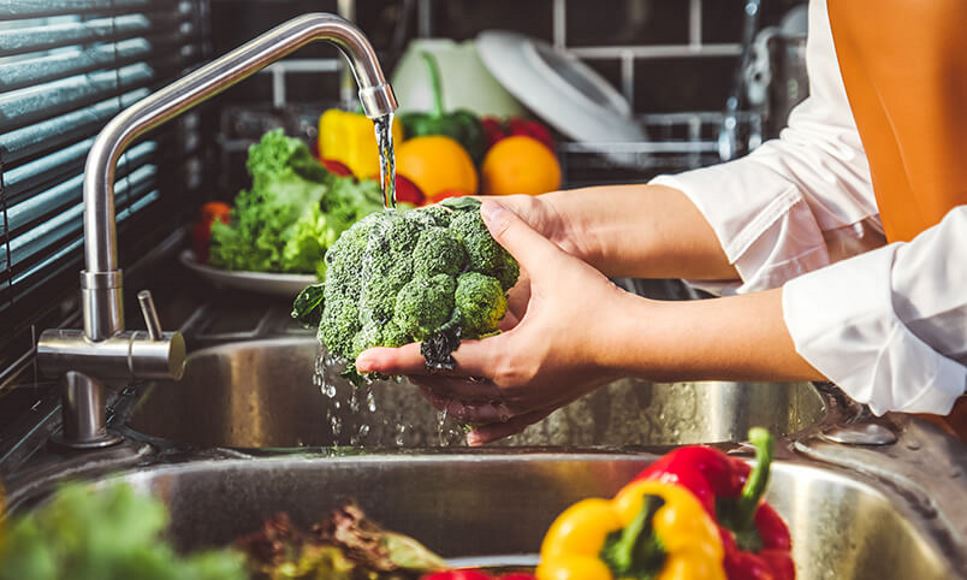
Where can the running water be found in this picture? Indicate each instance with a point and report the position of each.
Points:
(387, 159)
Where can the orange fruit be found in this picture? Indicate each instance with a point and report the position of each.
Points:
(436, 164)
(520, 164)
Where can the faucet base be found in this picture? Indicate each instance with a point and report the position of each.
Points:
(83, 411)
(106, 440)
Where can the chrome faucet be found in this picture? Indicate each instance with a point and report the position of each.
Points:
(104, 350)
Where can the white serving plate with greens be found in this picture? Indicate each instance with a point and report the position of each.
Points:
(271, 284)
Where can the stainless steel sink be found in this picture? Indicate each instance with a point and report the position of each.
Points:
(267, 393)
(502, 502)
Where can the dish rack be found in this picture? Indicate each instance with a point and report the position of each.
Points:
(676, 142)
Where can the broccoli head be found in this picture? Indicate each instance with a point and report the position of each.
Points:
(432, 275)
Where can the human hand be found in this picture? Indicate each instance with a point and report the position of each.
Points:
(558, 351)
(553, 215)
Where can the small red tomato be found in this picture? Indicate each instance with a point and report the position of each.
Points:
(406, 191)
(457, 575)
(516, 576)
(201, 233)
(337, 167)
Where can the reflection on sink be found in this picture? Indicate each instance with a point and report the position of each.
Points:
(498, 503)
(262, 394)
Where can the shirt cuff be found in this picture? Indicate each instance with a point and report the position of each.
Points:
(762, 221)
(842, 321)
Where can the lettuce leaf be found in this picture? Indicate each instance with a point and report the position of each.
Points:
(293, 213)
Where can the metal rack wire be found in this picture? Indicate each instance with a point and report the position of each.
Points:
(676, 142)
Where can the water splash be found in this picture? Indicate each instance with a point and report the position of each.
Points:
(442, 431)
(387, 159)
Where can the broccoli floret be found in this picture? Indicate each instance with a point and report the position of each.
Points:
(485, 254)
(437, 252)
(481, 303)
(424, 305)
(431, 275)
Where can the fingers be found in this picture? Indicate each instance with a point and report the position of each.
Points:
(498, 430)
(475, 358)
(468, 411)
(447, 388)
(405, 360)
(519, 297)
(531, 249)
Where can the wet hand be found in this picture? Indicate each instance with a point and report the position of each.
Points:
(558, 338)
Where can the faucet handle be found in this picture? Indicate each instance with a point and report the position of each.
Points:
(150, 314)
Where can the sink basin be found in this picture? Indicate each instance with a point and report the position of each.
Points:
(499, 503)
(267, 394)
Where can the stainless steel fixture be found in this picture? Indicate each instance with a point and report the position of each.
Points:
(103, 350)
(267, 394)
(491, 505)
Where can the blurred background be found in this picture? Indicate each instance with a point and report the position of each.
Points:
(627, 88)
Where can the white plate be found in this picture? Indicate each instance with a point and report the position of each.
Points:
(559, 88)
(281, 285)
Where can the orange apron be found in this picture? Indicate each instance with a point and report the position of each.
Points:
(904, 64)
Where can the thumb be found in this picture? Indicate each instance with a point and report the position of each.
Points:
(530, 248)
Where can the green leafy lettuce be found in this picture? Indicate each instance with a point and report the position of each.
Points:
(293, 213)
(114, 533)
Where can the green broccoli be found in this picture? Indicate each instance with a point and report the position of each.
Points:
(432, 275)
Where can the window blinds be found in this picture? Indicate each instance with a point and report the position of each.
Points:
(66, 68)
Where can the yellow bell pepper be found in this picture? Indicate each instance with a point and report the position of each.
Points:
(350, 139)
(650, 529)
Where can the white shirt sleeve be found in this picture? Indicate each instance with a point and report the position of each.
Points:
(888, 326)
(798, 202)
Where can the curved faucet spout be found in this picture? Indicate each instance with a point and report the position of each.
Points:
(101, 281)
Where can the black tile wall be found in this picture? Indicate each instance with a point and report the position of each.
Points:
(660, 85)
(722, 19)
(464, 19)
(629, 22)
(683, 84)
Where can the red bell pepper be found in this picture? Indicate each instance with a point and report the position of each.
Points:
(756, 539)
(496, 129)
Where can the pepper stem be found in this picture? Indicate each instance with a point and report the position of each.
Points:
(435, 83)
(634, 551)
(758, 479)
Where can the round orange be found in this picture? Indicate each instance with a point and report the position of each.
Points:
(436, 164)
(520, 164)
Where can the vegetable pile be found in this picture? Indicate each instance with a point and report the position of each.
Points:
(696, 513)
(295, 210)
(104, 534)
(344, 546)
(444, 153)
(432, 275)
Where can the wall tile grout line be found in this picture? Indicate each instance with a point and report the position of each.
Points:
(695, 23)
(560, 24)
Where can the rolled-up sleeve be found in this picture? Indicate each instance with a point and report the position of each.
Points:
(887, 323)
(890, 326)
(798, 202)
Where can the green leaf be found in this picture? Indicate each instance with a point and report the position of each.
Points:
(461, 203)
(409, 554)
(308, 305)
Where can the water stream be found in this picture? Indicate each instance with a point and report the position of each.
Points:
(387, 159)
(353, 412)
